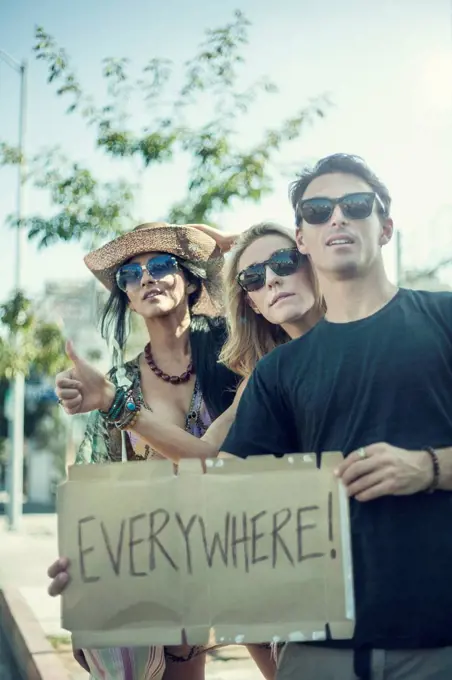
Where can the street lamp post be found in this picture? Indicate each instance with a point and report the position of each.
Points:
(16, 458)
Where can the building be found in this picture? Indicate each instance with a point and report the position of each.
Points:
(76, 306)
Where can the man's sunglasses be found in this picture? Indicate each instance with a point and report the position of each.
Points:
(357, 206)
(282, 263)
(130, 275)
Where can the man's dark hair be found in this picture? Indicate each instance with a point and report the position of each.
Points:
(339, 162)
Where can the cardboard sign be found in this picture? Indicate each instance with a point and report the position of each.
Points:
(254, 550)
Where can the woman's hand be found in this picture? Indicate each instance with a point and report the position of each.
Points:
(83, 388)
(224, 240)
(58, 572)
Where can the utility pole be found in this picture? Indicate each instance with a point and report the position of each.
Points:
(16, 458)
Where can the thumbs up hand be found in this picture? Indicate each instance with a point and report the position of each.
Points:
(83, 388)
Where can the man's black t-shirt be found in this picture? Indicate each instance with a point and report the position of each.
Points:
(386, 378)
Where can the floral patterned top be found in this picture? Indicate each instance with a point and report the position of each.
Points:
(103, 443)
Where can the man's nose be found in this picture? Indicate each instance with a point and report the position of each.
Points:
(338, 218)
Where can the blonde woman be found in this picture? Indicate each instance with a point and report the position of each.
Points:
(271, 297)
(271, 293)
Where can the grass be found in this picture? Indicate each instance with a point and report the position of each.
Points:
(58, 641)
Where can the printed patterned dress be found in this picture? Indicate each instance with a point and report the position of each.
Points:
(102, 444)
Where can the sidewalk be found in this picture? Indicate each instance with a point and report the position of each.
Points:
(25, 557)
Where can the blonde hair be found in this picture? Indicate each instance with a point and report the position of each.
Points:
(250, 335)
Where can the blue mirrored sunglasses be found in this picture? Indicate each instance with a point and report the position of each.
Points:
(130, 275)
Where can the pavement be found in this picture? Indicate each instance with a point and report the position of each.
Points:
(25, 557)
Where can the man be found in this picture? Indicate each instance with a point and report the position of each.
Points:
(373, 380)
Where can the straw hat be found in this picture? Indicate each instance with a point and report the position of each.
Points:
(183, 241)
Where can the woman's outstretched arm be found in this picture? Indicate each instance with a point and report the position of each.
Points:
(174, 443)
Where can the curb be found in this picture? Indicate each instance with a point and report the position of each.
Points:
(32, 652)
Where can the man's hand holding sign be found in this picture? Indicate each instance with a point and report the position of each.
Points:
(385, 470)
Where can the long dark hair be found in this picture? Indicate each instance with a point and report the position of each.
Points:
(207, 335)
(217, 382)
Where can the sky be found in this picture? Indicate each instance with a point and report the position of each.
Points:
(387, 67)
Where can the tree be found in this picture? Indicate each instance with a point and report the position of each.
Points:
(32, 346)
(221, 172)
(37, 346)
(428, 273)
(424, 278)
(51, 435)
(33, 414)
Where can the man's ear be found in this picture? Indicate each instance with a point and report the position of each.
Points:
(300, 241)
(387, 231)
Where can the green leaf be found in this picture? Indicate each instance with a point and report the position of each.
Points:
(199, 123)
(9, 155)
(27, 342)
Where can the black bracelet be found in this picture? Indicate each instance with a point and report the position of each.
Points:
(194, 651)
(436, 469)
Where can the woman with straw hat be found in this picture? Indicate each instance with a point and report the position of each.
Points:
(264, 263)
(170, 276)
